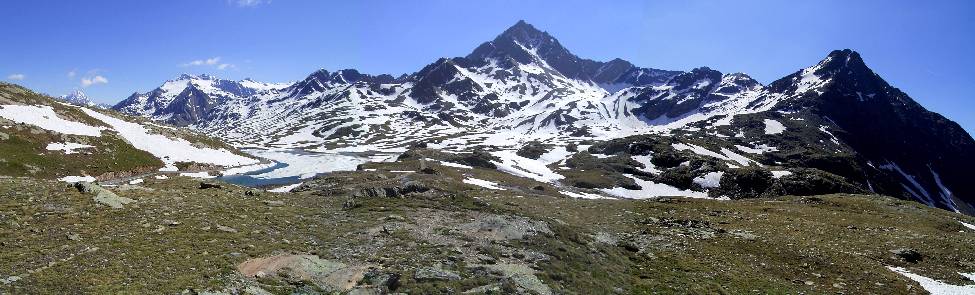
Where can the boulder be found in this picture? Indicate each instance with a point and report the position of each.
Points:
(205, 185)
(479, 158)
(329, 275)
(532, 150)
(382, 281)
(744, 183)
(434, 274)
(908, 255)
(102, 195)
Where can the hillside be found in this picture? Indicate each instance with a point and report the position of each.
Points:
(44, 138)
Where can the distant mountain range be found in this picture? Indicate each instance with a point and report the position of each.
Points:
(77, 97)
(837, 116)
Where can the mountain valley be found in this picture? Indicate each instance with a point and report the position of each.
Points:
(519, 168)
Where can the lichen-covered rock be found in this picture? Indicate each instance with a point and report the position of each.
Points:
(434, 274)
(329, 275)
(102, 195)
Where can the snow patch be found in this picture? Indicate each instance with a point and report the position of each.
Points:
(514, 164)
(757, 150)
(918, 192)
(286, 188)
(773, 127)
(455, 165)
(556, 155)
(483, 183)
(648, 165)
(45, 118)
(73, 179)
(780, 174)
(67, 147)
(202, 174)
(584, 195)
(167, 149)
(709, 180)
(651, 189)
(946, 194)
(726, 154)
(936, 287)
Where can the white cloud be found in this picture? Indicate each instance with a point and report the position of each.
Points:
(72, 73)
(89, 81)
(203, 62)
(210, 62)
(249, 3)
(16, 77)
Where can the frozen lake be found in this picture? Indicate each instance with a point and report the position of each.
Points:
(290, 166)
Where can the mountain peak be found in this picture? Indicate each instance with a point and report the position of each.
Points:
(521, 28)
(77, 97)
(186, 76)
(525, 34)
(842, 59)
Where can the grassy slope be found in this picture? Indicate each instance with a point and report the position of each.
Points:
(24, 153)
(813, 245)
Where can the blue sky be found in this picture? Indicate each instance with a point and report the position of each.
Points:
(113, 48)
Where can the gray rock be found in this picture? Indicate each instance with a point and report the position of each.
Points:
(486, 259)
(414, 187)
(744, 235)
(274, 203)
(364, 291)
(500, 227)
(382, 281)
(226, 229)
(331, 276)
(350, 204)
(486, 289)
(377, 192)
(434, 274)
(102, 195)
(522, 276)
(10, 280)
(255, 290)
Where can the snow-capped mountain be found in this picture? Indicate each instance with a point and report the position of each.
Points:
(836, 116)
(78, 98)
(189, 99)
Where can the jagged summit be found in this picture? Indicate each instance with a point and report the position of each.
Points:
(523, 44)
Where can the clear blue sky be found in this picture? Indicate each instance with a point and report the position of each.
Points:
(924, 48)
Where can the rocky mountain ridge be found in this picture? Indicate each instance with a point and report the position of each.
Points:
(524, 87)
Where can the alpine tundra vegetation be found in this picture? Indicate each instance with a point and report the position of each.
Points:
(520, 168)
